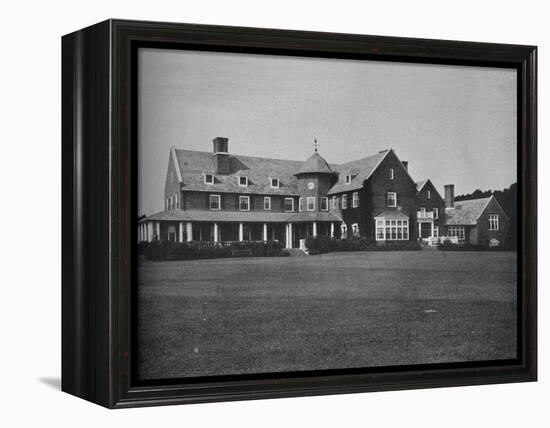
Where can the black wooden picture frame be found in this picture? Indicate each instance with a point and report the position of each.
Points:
(99, 204)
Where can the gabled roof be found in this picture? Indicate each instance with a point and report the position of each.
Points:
(420, 185)
(316, 164)
(360, 170)
(466, 213)
(194, 165)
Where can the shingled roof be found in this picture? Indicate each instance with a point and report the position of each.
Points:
(316, 164)
(466, 213)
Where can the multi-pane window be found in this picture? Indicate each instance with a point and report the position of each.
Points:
(215, 202)
(324, 203)
(391, 199)
(311, 203)
(289, 204)
(391, 173)
(300, 204)
(334, 203)
(493, 221)
(344, 202)
(429, 194)
(390, 229)
(267, 203)
(243, 181)
(355, 200)
(208, 178)
(457, 231)
(275, 182)
(436, 213)
(244, 203)
(348, 178)
(435, 233)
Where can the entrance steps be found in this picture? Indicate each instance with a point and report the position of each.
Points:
(295, 252)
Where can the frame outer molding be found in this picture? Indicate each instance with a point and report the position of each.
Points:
(97, 208)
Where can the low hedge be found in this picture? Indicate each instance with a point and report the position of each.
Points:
(320, 245)
(449, 246)
(169, 250)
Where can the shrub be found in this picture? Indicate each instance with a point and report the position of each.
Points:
(320, 245)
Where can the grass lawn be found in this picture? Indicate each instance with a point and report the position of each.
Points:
(257, 315)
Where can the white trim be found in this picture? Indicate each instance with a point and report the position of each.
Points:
(355, 199)
(350, 176)
(428, 194)
(324, 198)
(436, 210)
(174, 157)
(494, 220)
(271, 183)
(312, 198)
(381, 223)
(267, 199)
(345, 198)
(388, 199)
(392, 174)
(284, 205)
(213, 178)
(239, 180)
(248, 199)
(219, 203)
(300, 204)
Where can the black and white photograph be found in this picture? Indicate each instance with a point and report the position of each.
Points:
(300, 214)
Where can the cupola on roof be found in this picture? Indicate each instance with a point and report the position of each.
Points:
(316, 164)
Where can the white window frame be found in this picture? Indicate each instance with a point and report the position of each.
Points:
(209, 182)
(308, 200)
(355, 199)
(429, 194)
(292, 204)
(239, 181)
(391, 229)
(391, 173)
(494, 222)
(394, 199)
(436, 213)
(211, 198)
(435, 232)
(271, 183)
(458, 231)
(334, 203)
(348, 178)
(267, 207)
(176, 201)
(244, 198)
(344, 202)
(300, 204)
(324, 201)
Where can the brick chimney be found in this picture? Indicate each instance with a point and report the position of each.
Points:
(449, 195)
(405, 165)
(220, 158)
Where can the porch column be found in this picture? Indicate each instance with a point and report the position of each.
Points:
(158, 230)
(181, 231)
(332, 229)
(189, 227)
(265, 231)
(216, 231)
(419, 230)
(149, 231)
(241, 232)
(432, 232)
(289, 235)
(142, 232)
(314, 229)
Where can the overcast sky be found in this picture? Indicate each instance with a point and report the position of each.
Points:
(454, 124)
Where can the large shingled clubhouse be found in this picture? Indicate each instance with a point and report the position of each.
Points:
(217, 196)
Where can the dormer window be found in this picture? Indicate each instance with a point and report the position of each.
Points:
(243, 181)
(391, 173)
(274, 183)
(208, 178)
(348, 178)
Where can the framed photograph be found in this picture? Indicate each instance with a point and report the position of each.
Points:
(253, 213)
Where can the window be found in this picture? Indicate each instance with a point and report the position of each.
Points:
(243, 181)
(391, 173)
(324, 203)
(344, 202)
(267, 203)
(275, 183)
(390, 229)
(348, 178)
(355, 200)
(215, 202)
(176, 202)
(289, 204)
(244, 203)
(436, 213)
(300, 204)
(429, 194)
(311, 203)
(208, 178)
(493, 221)
(391, 199)
(436, 232)
(334, 203)
(457, 231)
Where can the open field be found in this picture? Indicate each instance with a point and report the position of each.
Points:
(255, 315)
